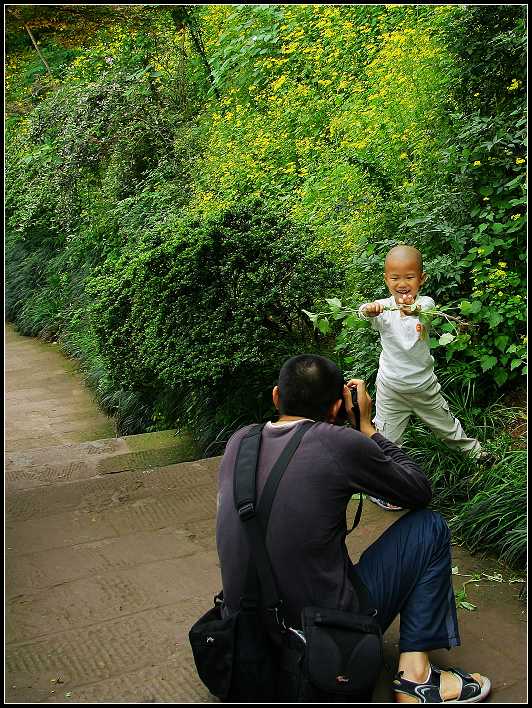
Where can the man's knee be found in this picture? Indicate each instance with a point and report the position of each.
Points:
(431, 524)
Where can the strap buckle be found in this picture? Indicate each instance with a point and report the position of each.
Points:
(247, 511)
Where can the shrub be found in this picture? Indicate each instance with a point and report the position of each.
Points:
(200, 324)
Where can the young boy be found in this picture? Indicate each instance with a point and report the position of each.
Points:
(406, 382)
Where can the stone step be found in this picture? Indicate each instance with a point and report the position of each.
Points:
(68, 463)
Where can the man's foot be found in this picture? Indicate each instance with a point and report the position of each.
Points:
(452, 685)
(385, 505)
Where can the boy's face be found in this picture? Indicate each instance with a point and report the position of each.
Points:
(403, 276)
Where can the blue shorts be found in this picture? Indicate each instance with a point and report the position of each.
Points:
(407, 572)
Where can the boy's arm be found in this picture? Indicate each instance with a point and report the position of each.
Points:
(371, 311)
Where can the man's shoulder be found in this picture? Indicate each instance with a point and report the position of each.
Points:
(237, 436)
(338, 437)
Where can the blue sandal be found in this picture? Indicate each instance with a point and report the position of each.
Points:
(429, 692)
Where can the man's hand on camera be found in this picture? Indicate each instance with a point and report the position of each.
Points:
(364, 404)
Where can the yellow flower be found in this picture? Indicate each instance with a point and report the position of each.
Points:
(486, 199)
(514, 85)
(403, 155)
(477, 162)
(516, 216)
(476, 94)
(520, 161)
(501, 264)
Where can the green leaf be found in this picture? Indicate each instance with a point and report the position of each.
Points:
(333, 302)
(476, 306)
(501, 341)
(515, 363)
(446, 338)
(310, 315)
(487, 362)
(515, 181)
(467, 606)
(324, 326)
(494, 318)
(500, 376)
(354, 322)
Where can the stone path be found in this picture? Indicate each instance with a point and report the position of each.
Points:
(110, 557)
(46, 404)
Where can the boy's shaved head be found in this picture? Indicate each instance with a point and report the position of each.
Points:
(404, 253)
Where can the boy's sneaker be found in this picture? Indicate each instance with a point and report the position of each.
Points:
(385, 505)
(486, 459)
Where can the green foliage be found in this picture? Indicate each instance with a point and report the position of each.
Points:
(210, 314)
(486, 507)
(191, 179)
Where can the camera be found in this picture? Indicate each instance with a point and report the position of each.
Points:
(343, 418)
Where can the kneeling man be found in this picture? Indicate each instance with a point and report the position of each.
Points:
(407, 571)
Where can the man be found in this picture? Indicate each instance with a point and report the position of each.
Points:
(407, 570)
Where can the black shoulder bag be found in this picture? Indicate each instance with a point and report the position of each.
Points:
(252, 656)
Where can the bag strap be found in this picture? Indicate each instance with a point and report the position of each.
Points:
(356, 520)
(256, 520)
(276, 474)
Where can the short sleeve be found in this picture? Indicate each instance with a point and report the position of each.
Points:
(426, 302)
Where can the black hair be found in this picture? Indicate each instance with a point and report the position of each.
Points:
(308, 385)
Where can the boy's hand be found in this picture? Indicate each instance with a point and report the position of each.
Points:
(406, 305)
(373, 309)
(364, 405)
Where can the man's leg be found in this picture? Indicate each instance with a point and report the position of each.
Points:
(407, 571)
(432, 408)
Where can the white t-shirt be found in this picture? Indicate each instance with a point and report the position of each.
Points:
(405, 362)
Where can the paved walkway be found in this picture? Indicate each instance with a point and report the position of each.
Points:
(107, 570)
(46, 404)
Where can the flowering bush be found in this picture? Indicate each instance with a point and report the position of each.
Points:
(356, 126)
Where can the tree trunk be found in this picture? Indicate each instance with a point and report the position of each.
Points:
(183, 18)
(38, 51)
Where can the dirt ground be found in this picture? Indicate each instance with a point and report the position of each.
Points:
(106, 570)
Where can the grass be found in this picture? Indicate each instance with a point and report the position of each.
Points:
(485, 506)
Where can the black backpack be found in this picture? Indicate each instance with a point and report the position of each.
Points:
(252, 655)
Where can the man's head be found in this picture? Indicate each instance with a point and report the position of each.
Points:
(403, 271)
(310, 386)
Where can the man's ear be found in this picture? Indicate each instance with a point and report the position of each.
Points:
(334, 409)
(275, 397)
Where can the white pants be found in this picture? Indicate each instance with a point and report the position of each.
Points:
(393, 411)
